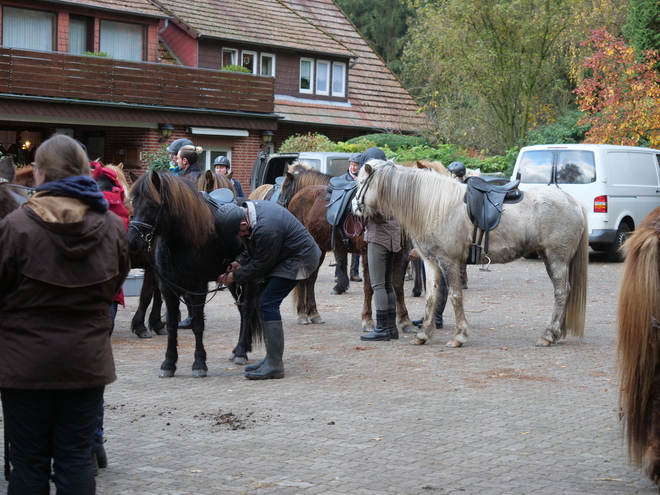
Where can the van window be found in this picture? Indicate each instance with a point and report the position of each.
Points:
(569, 167)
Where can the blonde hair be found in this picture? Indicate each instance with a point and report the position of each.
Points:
(190, 153)
(60, 156)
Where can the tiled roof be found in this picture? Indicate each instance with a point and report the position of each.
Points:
(263, 22)
(140, 7)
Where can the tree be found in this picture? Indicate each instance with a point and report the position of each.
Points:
(621, 99)
(643, 27)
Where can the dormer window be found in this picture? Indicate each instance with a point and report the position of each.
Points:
(323, 77)
(306, 75)
(250, 61)
(229, 57)
(28, 29)
(267, 65)
(338, 79)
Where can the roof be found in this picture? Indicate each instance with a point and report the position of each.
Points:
(138, 7)
(261, 22)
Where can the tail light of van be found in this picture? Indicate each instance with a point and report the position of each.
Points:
(600, 204)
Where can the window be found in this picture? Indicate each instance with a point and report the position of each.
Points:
(306, 75)
(249, 60)
(267, 64)
(209, 155)
(229, 57)
(78, 35)
(122, 40)
(28, 29)
(322, 77)
(338, 79)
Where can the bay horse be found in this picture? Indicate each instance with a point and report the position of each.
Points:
(174, 219)
(431, 209)
(638, 345)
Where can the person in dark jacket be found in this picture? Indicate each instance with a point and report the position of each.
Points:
(187, 160)
(63, 258)
(279, 251)
(173, 150)
(383, 238)
(351, 174)
(222, 166)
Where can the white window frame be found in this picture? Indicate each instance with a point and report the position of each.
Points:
(254, 60)
(261, 64)
(341, 93)
(209, 154)
(309, 91)
(328, 77)
(234, 56)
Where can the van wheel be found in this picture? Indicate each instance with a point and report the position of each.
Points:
(614, 252)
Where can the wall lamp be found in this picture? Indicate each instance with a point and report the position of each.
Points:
(267, 138)
(165, 132)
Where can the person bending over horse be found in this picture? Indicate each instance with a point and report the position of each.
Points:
(279, 251)
(55, 298)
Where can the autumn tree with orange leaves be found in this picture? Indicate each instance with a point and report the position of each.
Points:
(621, 97)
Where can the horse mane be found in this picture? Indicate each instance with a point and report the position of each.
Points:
(188, 215)
(433, 166)
(419, 198)
(298, 166)
(210, 181)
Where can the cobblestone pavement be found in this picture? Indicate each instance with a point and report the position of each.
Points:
(498, 416)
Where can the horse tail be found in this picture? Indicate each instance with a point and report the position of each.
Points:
(576, 303)
(638, 341)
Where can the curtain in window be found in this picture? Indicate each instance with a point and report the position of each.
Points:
(28, 29)
(77, 36)
(122, 40)
(322, 76)
(338, 79)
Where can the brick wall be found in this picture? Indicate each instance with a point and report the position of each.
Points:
(62, 39)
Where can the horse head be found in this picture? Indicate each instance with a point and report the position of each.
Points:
(287, 190)
(364, 202)
(145, 196)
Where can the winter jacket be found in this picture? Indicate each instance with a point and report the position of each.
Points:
(238, 188)
(386, 233)
(278, 246)
(191, 173)
(61, 265)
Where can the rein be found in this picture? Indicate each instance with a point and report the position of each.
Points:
(359, 197)
(3, 181)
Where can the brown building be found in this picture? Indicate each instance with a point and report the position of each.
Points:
(116, 74)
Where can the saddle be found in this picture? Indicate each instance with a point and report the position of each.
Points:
(339, 197)
(218, 197)
(277, 189)
(485, 204)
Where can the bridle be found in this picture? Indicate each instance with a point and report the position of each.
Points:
(359, 197)
(30, 190)
(151, 228)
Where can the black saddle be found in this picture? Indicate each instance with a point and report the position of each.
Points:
(218, 197)
(339, 196)
(485, 204)
(277, 189)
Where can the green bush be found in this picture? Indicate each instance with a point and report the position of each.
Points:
(307, 142)
(447, 153)
(564, 131)
(157, 161)
(237, 68)
(97, 54)
(394, 142)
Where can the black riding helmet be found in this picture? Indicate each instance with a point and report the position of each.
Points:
(222, 160)
(228, 219)
(373, 153)
(457, 168)
(178, 144)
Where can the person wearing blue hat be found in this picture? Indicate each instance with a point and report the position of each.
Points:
(351, 174)
(173, 150)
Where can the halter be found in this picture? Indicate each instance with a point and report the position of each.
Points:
(138, 226)
(359, 197)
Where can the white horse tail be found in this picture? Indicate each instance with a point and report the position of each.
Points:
(576, 303)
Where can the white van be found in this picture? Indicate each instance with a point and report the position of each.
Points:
(619, 185)
(268, 167)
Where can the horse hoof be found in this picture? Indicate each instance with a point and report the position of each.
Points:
(453, 343)
(417, 341)
(144, 334)
(542, 343)
(410, 329)
(240, 360)
(166, 374)
(336, 292)
(303, 321)
(317, 320)
(199, 373)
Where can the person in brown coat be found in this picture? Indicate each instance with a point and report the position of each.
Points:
(63, 257)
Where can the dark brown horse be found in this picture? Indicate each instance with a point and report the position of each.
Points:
(309, 206)
(638, 345)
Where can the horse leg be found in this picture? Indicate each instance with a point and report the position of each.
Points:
(305, 298)
(452, 273)
(155, 320)
(312, 311)
(433, 275)
(403, 319)
(168, 367)
(367, 315)
(417, 277)
(556, 329)
(342, 273)
(652, 455)
(196, 307)
(248, 307)
(137, 323)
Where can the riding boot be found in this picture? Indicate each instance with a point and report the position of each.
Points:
(418, 322)
(391, 324)
(253, 367)
(381, 332)
(442, 302)
(273, 367)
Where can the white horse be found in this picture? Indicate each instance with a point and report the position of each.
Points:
(431, 208)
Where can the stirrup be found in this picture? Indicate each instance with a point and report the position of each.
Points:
(482, 269)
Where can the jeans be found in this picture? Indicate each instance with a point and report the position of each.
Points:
(41, 425)
(380, 271)
(273, 291)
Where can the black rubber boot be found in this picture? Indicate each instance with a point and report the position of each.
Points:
(102, 457)
(381, 332)
(273, 367)
(391, 324)
(253, 367)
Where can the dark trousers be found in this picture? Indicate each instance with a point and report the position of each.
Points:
(380, 272)
(41, 425)
(273, 292)
(355, 265)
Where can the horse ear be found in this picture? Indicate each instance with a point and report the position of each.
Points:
(120, 166)
(421, 165)
(155, 180)
(133, 176)
(289, 175)
(208, 175)
(368, 168)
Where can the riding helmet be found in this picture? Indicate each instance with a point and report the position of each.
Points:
(228, 220)
(222, 160)
(373, 153)
(178, 144)
(457, 168)
(355, 157)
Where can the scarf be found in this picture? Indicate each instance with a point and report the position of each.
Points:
(80, 187)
